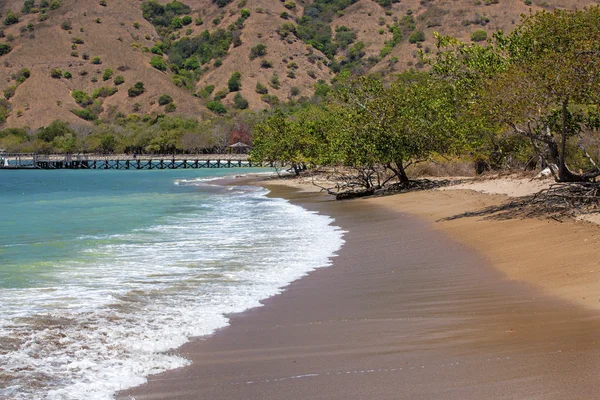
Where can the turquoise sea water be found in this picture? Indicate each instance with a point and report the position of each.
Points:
(101, 272)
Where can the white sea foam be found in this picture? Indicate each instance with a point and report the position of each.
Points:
(116, 311)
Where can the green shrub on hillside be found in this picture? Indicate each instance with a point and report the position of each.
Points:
(85, 114)
(27, 6)
(159, 63)
(11, 18)
(104, 91)
(261, 89)
(81, 98)
(107, 74)
(54, 4)
(239, 102)
(170, 107)
(221, 94)
(165, 99)
(235, 82)
(56, 73)
(4, 49)
(136, 90)
(119, 80)
(9, 92)
(222, 3)
(217, 107)
(205, 47)
(165, 16)
(206, 91)
(418, 36)
(258, 51)
(479, 35)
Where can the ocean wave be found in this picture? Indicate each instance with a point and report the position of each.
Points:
(114, 313)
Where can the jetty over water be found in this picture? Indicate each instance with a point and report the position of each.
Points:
(127, 161)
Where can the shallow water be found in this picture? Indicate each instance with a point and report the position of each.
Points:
(103, 272)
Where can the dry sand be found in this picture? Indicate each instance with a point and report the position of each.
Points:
(415, 307)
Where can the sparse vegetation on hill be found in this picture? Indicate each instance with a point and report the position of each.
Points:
(290, 53)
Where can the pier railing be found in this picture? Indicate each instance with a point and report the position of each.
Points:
(126, 161)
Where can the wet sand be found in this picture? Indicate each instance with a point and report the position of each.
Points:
(409, 310)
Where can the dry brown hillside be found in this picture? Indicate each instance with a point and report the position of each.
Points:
(116, 32)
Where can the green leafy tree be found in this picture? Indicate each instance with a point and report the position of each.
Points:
(136, 90)
(217, 107)
(165, 99)
(235, 82)
(240, 102)
(550, 105)
(159, 63)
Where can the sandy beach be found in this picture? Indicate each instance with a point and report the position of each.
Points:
(428, 299)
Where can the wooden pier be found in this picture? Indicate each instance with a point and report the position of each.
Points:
(125, 161)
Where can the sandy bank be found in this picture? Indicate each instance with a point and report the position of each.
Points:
(411, 312)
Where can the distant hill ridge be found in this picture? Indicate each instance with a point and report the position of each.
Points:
(87, 60)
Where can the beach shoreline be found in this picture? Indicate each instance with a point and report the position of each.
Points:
(414, 306)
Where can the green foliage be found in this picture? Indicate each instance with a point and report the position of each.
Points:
(107, 74)
(261, 89)
(136, 90)
(314, 29)
(266, 63)
(221, 94)
(245, 13)
(204, 47)
(259, 50)
(9, 92)
(186, 20)
(274, 82)
(286, 29)
(416, 37)
(104, 91)
(11, 18)
(270, 99)
(479, 36)
(119, 80)
(66, 25)
(217, 107)
(4, 110)
(96, 60)
(68, 75)
(85, 114)
(170, 107)
(165, 99)
(206, 91)
(239, 102)
(344, 37)
(4, 49)
(81, 98)
(159, 63)
(222, 3)
(165, 17)
(321, 88)
(56, 73)
(56, 129)
(27, 6)
(235, 82)
(55, 4)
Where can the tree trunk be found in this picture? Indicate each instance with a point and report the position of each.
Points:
(564, 173)
(399, 171)
(403, 177)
